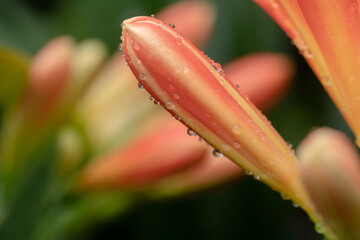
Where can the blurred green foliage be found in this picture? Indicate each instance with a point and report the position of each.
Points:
(243, 210)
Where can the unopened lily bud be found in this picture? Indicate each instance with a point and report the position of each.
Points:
(264, 77)
(194, 19)
(49, 73)
(193, 89)
(331, 172)
(163, 149)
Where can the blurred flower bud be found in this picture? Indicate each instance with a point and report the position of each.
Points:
(331, 172)
(162, 149)
(264, 77)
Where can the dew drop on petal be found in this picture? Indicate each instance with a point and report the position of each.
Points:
(284, 196)
(295, 205)
(136, 46)
(140, 86)
(142, 76)
(179, 41)
(121, 48)
(186, 69)
(191, 132)
(172, 25)
(325, 80)
(176, 96)
(225, 146)
(236, 128)
(169, 105)
(217, 153)
(319, 227)
(236, 144)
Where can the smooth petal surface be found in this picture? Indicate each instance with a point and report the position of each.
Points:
(331, 171)
(162, 149)
(335, 27)
(266, 87)
(327, 35)
(192, 88)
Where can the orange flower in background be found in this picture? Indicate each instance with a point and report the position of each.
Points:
(327, 33)
(193, 89)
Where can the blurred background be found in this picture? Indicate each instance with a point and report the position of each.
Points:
(242, 209)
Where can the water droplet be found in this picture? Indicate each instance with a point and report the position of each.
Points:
(237, 86)
(284, 196)
(307, 53)
(274, 4)
(201, 139)
(295, 205)
(142, 76)
(217, 153)
(179, 41)
(140, 86)
(319, 227)
(248, 172)
(325, 80)
(171, 87)
(236, 144)
(186, 69)
(262, 136)
(169, 105)
(136, 45)
(172, 25)
(176, 96)
(191, 132)
(121, 48)
(177, 117)
(152, 15)
(236, 128)
(152, 98)
(225, 146)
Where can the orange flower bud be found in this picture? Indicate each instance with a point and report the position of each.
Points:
(265, 87)
(331, 172)
(192, 87)
(162, 149)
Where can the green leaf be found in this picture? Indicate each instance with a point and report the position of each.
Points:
(27, 202)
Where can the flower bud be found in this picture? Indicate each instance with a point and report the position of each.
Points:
(331, 172)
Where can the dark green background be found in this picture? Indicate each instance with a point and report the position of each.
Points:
(246, 209)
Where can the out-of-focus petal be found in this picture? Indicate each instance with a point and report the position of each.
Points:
(162, 149)
(264, 77)
(327, 34)
(207, 173)
(194, 19)
(331, 171)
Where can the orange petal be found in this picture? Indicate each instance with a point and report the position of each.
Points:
(193, 88)
(331, 171)
(158, 152)
(194, 19)
(335, 26)
(327, 34)
(265, 87)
